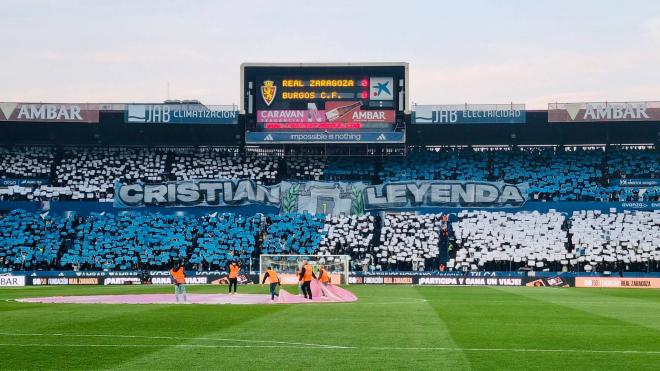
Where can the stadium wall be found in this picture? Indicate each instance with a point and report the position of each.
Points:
(107, 278)
(552, 279)
(111, 130)
(534, 133)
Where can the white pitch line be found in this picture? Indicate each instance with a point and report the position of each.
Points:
(174, 338)
(36, 345)
(519, 350)
(651, 352)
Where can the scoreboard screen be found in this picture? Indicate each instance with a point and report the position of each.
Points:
(324, 103)
(299, 92)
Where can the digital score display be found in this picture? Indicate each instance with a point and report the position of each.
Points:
(343, 98)
(324, 89)
(300, 92)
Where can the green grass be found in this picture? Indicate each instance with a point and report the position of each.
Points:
(390, 327)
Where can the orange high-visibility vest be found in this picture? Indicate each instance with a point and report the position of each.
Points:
(178, 275)
(308, 273)
(324, 276)
(272, 276)
(233, 271)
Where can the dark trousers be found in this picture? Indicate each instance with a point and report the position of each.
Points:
(273, 293)
(307, 289)
(234, 282)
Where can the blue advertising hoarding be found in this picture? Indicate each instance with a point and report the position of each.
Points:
(470, 114)
(180, 114)
(29, 182)
(324, 137)
(636, 182)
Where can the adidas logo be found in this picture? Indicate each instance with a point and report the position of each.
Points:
(268, 137)
(381, 137)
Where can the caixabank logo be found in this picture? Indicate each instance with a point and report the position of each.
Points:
(381, 88)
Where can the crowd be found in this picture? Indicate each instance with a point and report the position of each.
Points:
(132, 240)
(472, 240)
(469, 240)
(509, 241)
(553, 174)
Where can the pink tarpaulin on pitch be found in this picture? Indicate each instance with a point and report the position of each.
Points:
(333, 294)
(153, 299)
(320, 294)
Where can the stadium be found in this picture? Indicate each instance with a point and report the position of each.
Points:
(326, 221)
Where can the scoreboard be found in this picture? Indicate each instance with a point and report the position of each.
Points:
(329, 103)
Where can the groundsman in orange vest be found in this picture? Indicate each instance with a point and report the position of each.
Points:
(273, 280)
(179, 275)
(233, 276)
(306, 275)
(324, 278)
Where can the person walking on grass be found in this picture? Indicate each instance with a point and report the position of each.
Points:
(324, 278)
(306, 275)
(274, 281)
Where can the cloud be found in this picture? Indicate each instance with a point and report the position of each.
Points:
(109, 57)
(651, 29)
(628, 94)
(530, 74)
(52, 56)
(527, 53)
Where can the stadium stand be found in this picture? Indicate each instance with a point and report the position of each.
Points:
(129, 241)
(554, 174)
(147, 240)
(349, 235)
(358, 168)
(633, 163)
(410, 242)
(26, 162)
(292, 233)
(587, 240)
(90, 173)
(478, 240)
(616, 241)
(448, 164)
(34, 193)
(33, 241)
(223, 165)
(222, 238)
(509, 241)
(305, 168)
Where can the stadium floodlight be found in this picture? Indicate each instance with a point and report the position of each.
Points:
(288, 265)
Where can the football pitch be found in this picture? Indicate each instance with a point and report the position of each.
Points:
(389, 327)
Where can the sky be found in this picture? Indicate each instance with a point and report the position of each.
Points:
(499, 51)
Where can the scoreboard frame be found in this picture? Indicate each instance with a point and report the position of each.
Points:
(376, 96)
(244, 93)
